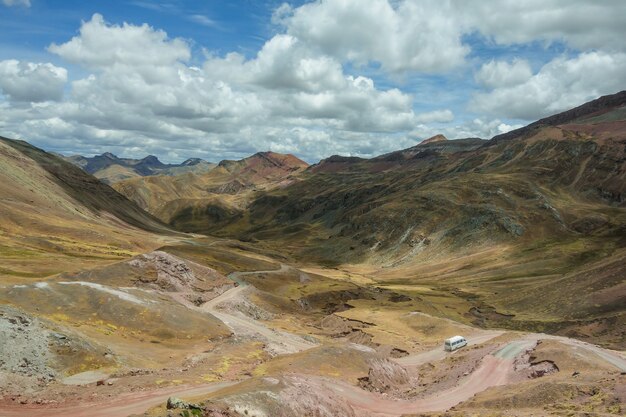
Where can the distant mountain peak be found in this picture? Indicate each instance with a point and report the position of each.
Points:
(151, 158)
(433, 139)
(192, 161)
(109, 155)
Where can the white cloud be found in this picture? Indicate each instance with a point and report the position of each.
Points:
(476, 128)
(580, 24)
(9, 3)
(285, 98)
(31, 82)
(100, 45)
(559, 85)
(203, 20)
(495, 74)
(412, 36)
(305, 91)
(427, 35)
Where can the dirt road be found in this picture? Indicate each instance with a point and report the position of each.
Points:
(280, 342)
(494, 370)
(438, 353)
(612, 357)
(121, 406)
(236, 276)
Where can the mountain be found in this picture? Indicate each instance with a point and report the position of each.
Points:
(219, 194)
(57, 216)
(517, 225)
(600, 111)
(322, 290)
(111, 169)
(436, 138)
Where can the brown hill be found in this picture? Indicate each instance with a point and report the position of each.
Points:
(423, 154)
(594, 108)
(433, 139)
(227, 188)
(494, 222)
(55, 216)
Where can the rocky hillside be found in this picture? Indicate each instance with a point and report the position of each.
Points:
(469, 191)
(220, 194)
(544, 205)
(110, 169)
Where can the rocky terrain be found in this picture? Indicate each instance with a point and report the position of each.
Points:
(266, 287)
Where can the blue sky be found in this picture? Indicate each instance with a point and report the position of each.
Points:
(354, 77)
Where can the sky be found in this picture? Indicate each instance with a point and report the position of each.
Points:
(218, 79)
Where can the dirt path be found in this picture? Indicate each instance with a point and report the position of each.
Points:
(280, 342)
(121, 406)
(612, 357)
(494, 370)
(438, 353)
(236, 276)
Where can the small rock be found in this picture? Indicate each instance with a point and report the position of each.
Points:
(576, 373)
(174, 402)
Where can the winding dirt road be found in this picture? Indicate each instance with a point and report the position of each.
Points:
(615, 358)
(494, 370)
(280, 342)
(439, 353)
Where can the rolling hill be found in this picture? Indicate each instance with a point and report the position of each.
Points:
(323, 290)
(56, 217)
(493, 223)
(220, 194)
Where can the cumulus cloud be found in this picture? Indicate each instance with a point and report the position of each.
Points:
(337, 77)
(580, 24)
(561, 84)
(427, 35)
(101, 45)
(9, 3)
(435, 116)
(413, 35)
(31, 82)
(495, 74)
(287, 98)
(475, 128)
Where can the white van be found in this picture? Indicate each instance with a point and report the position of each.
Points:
(454, 343)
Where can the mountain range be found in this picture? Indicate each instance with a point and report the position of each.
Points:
(268, 286)
(109, 168)
(545, 201)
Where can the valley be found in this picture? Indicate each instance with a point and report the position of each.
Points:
(271, 287)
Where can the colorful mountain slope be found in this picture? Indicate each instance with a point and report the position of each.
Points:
(219, 194)
(55, 216)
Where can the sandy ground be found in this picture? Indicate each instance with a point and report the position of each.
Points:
(493, 371)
